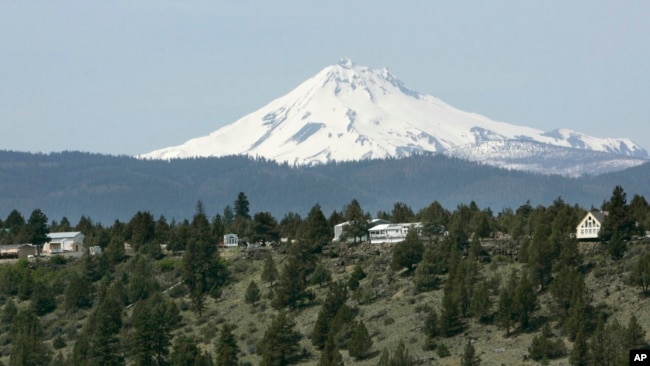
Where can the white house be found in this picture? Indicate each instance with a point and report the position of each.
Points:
(230, 240)
(391, 233)
(589, 227)
(338, 229)
(70, 241)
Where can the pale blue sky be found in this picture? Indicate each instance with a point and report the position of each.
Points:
(127, 77)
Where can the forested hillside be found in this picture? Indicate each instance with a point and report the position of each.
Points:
(513, 287)
(106, 188)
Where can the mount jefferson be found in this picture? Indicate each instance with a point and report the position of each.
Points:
(350, 112)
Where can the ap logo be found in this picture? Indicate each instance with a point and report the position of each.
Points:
(640, 357)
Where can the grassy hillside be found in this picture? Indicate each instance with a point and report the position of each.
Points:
(387, 302)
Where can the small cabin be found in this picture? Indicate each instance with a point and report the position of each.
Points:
(589, 227)
(230, 240)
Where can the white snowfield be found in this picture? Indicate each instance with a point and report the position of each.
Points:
(348, 112)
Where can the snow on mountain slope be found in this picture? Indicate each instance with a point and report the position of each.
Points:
(543, 158)
(350, 112)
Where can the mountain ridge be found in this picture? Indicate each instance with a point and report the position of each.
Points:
(350, 112)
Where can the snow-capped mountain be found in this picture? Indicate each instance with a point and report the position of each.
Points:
(350, 112)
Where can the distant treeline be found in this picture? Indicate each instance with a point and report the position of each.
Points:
(106, 188)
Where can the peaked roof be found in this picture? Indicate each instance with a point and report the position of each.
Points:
(598, 215)
(63, 235)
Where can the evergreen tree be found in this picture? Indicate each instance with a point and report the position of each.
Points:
(316, 230)
(320, 276)
(401, 356)
(431, 329)
(360, 342)
(291, 288)
(470, 358)
(450, 323)
(330, 356)
(226, 348)
(78, 294)
(619, 220)
(546, 347)
(357, 222)
(43, 300)
(184, 351)
(481, 304)
(425, 274)
(635, 333)
(401, 213)
(253, 293)
(336, 297)
(616, 247)
(203, 271)
(640, 274)
(579, 355)
(38, 229)
(269, 271)
(264, 228)
(408, 253)
(8, 314)
(152, 320)
(115, 251)
(384, 359)
(507, 311)
(280, 346)
(525, 301)
(99, 343)
(142, 282)
(241, 206)
(141, 230)
(27, 347)
(357, 275)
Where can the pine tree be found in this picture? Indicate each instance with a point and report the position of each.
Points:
(450, 314)
(360, 342)
(320, 276)
(204, 273)
(153, 320)
(640, 275)
(78, 294)
(525, 301)
(253, 293)
(316, 230)
(226, 348)
(330, 356)
(470, 358)
(280, 346)
(506, 311)
(401, 356)
(291, 288)
(336, 297)
(635, 334)
(269, 271)
(27, 347)
(579, 355)
(619, 220)
(425, 278)
(384, 359)
(481, 304)
(38, 229)
(408, 253)
(184, 351)
(431, 329)
(355, 277)
(241, 206)
(43, 300)
(356, 222)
